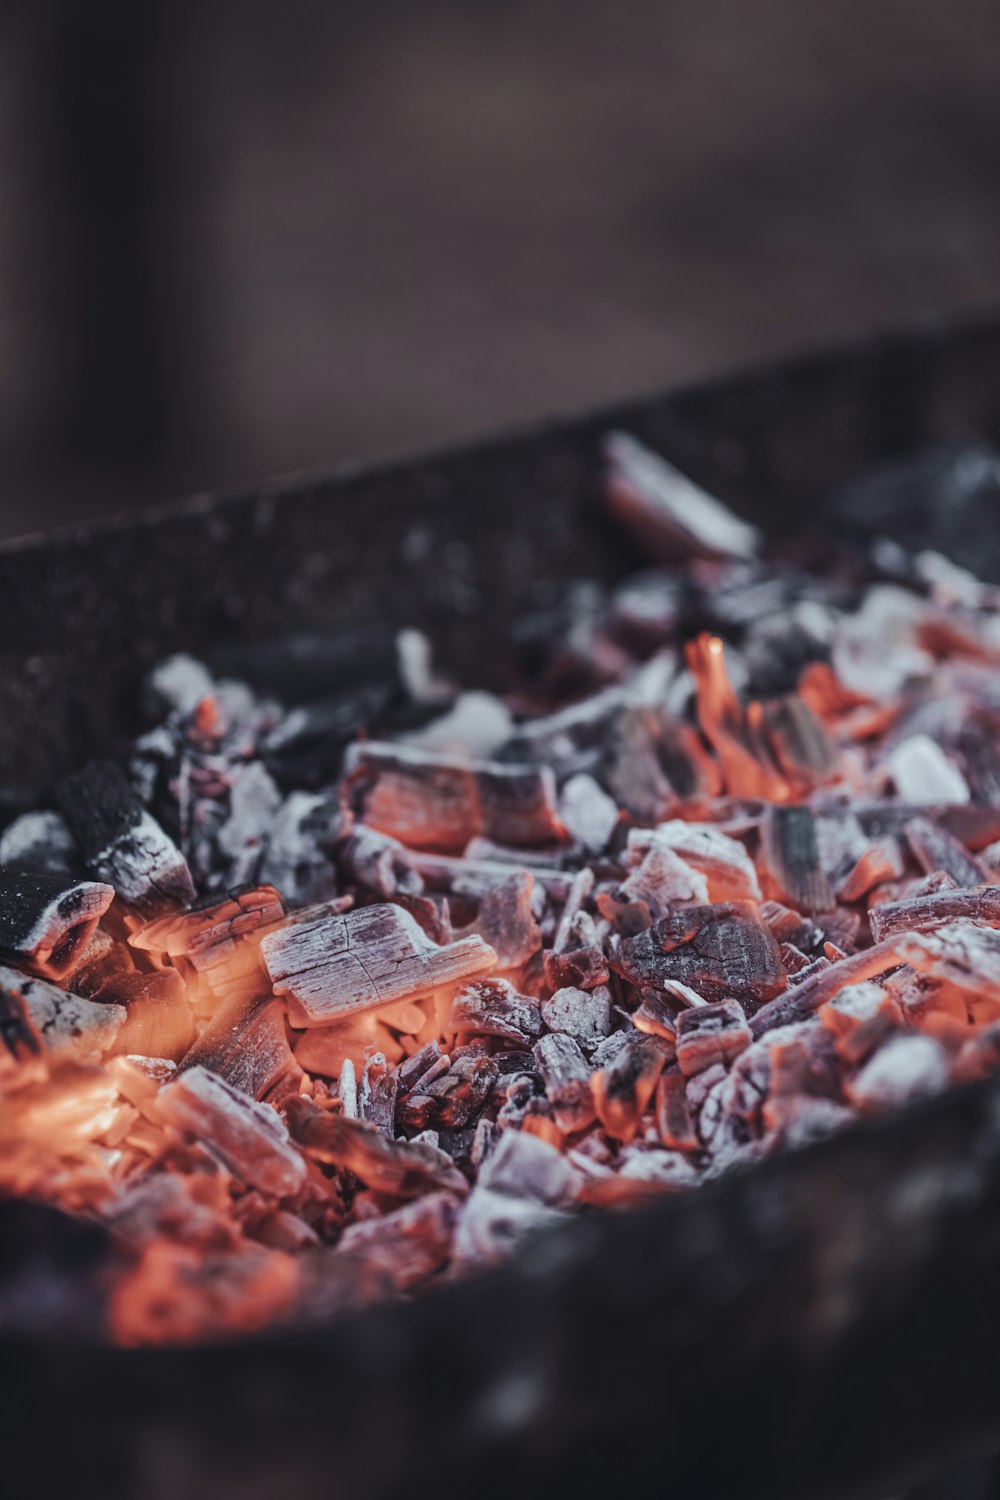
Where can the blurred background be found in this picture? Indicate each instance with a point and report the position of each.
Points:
(239, 239)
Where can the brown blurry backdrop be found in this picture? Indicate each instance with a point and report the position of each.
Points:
(237, 239)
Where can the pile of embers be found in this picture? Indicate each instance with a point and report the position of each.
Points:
(308, 1007)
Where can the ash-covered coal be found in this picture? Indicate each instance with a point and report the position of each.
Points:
(348, 979)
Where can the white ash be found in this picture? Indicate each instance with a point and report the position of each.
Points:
(41, 842)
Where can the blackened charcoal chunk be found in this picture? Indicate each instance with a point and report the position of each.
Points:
(40, 842)
(719, 951)
(560, 650)
(120, 842)
(305, 749)
(624, 1089)
(947, 499)
(792, 855)
(46, 921)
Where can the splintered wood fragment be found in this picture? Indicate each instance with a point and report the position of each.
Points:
(719, 951)
(69, 1027)
(623, 1090)
(247, 1138)
(935, 849)
(492, 1007)
(659, 882)
(47, 921)
(962, 954)
(671, 516)
(363, 959)
(121, 843)
(401, 1169)
(805, 998)
(710, 1034)
(457, 1095)
(797, 740)
(860, 1018)
(583, 884)
(159, 1021)
(507, 923)
(377, 1095)
(206, 932)
(413, 1069)
(584, 1015)
(245, 1044)
(441, 802)
(566, 1074)
(659, 1009)
(347, 1090)
(408, 1245)
(923, 913)
(792, 856)
(674, 1124)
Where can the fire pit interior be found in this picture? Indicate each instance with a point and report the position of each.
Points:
(340, 969)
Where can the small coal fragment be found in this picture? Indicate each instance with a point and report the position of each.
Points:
(377, 1098)
(710, 1034)
(584, 1015)
(46, 921)
(935, 849)
(624, 1089)
(401, 1169)
(246, 1045)
(247, 1138)
(674, 1124)
(408, 1245)
(120, 842)
(566, 1074)
(39, 842)
(507, 923)
(492, 1007)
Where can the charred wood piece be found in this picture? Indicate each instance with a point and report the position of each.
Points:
(47, 921)
(400, 1169)
(719, 951)
(69, 1027)
(337, 964)
(247, 1138)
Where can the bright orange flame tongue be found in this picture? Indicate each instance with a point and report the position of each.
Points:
(735, 734)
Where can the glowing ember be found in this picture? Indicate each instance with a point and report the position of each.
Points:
(313, 1006)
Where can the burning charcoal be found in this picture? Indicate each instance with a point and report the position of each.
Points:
(363, 959)
(458, 1095)
(792, 856)
(935, 849)
(562, 649)
(120, 842)
(476, 724)
(20, 1045)
(907, 1068)
(840, 931)
(646, 610)
(860, 1019)
(657, 1014)
(642, 1174)
(247, 1138)
(410, 1244)
(924, 913)
(217, 939)
(960, 953)
(69, 1027)
(441, 802)
(803, 999)
(631, 769)
(623, 1091)
(723, 861)
(492, 1007)
(588, 813)
(661, 881)
(296, 861)
(506, 921)
(526, 1167)
(709, 1034)
(976, 747)
(400, 1169)
(673, 1116)
(583, 968)
(46, 921)
(736, 735)
(245, 1044)
(566, 1074)
(880, 862)
(414, 1068)
(379, 864)
(159, 1021)
(790, 926)
(39, 842)
(379, 1087)
(797, 740)
(669, 514)
(584, 1015)
(718, 951)
(254, 800)
(922, 773)
(491, 1226)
